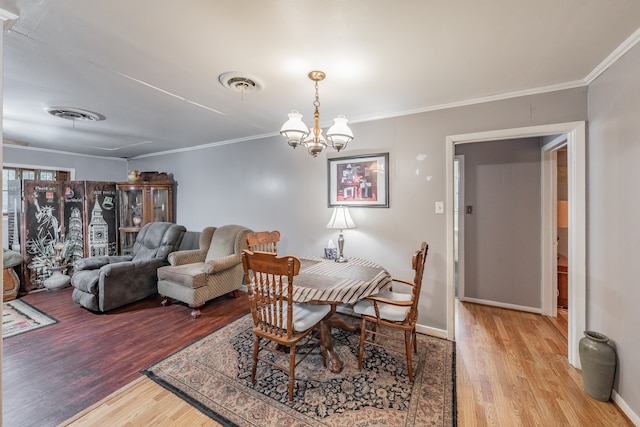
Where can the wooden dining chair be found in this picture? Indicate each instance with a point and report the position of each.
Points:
(395, 310)
(264, 241)
(277, 321)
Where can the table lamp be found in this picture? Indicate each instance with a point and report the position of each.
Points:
(341, 219)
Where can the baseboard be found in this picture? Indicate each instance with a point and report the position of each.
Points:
(635, 419)
(434, 332)
(536, 310)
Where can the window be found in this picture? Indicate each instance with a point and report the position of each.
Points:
(9, 174)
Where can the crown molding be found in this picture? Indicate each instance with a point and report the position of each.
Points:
(613, 57)
(66, 153)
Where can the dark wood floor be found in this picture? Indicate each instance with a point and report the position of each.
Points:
(50, 374)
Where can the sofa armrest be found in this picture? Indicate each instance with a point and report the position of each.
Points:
(94, 263)
(90, 263)
(221, 264)
(125, 282)
(187, 257)
(128, 268)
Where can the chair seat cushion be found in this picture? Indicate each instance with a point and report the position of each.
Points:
(189, 275)
(306, 316)
(387, 311)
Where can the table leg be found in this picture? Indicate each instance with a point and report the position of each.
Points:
(331, 321)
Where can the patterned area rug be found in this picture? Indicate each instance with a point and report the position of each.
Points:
(214, 374)
(19, 317)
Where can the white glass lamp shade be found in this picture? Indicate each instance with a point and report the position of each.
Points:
(313, 144)
(341, 219)
(294, 129)
(339, 134)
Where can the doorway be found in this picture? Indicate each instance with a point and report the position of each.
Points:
(575, 142)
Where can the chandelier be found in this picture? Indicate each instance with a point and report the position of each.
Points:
(297, 132)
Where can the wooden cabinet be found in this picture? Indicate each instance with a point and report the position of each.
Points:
(563, 282)
(141, 203)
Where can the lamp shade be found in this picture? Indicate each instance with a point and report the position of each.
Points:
(341, 219)
(294, 129)
(339, 134)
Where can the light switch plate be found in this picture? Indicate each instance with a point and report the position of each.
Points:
(439, 207)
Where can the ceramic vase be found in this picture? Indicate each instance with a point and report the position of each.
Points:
(134, 176)
(598, 360)
(57, 280)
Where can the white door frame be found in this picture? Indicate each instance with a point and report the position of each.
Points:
(576, 158)
(461, 217)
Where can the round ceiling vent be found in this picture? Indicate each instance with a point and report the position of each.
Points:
(74, 114)
(239, 82)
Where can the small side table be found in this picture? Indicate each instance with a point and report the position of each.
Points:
(11, 284)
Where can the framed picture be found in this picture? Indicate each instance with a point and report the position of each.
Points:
(359, 180)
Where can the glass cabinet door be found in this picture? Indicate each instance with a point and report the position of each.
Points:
(160, 201)
(131, 212)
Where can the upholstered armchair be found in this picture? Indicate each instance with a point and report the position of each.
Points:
(106, 282)
(199, 275)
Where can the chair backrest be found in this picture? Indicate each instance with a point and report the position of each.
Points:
(227, 240)
(269, 281)
(264, 241)
(157, 240)
(417, 263)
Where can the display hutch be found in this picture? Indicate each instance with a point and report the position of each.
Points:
(140, 203)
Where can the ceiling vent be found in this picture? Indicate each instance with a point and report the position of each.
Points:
(239, 82)
(74, 114)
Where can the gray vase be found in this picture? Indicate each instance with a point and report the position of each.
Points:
(598, 359)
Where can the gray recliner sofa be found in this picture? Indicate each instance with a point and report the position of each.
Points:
(107, 282)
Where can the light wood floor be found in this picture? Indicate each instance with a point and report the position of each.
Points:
(512, 370)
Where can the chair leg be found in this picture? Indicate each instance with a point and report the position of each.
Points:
(415, 341)
(195, 310)
(292, 370)
(363, 332)
(256, 350)
(323, 341)
(407, 347)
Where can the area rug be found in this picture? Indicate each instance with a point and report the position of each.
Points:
(19, 317)
(214, 375)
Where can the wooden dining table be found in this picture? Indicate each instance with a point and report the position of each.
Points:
(324, 281)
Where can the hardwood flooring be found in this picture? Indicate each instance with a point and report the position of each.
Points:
(512, 369)
(51, 374)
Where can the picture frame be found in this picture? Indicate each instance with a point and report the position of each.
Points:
(361, 180)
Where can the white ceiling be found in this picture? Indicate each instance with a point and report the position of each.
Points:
(151, 67)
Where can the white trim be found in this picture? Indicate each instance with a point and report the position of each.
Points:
(503, 305)
(5, 15)
(434, 332)
(548, 214)
(577, 223)
(67, 153)
(461, 219)
(635, 419)
(624, 47)
(209, 145)
(450, 256)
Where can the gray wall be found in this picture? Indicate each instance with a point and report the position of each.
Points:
(87, 168)
(267, 185)
(613, 234)
(502, 236)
